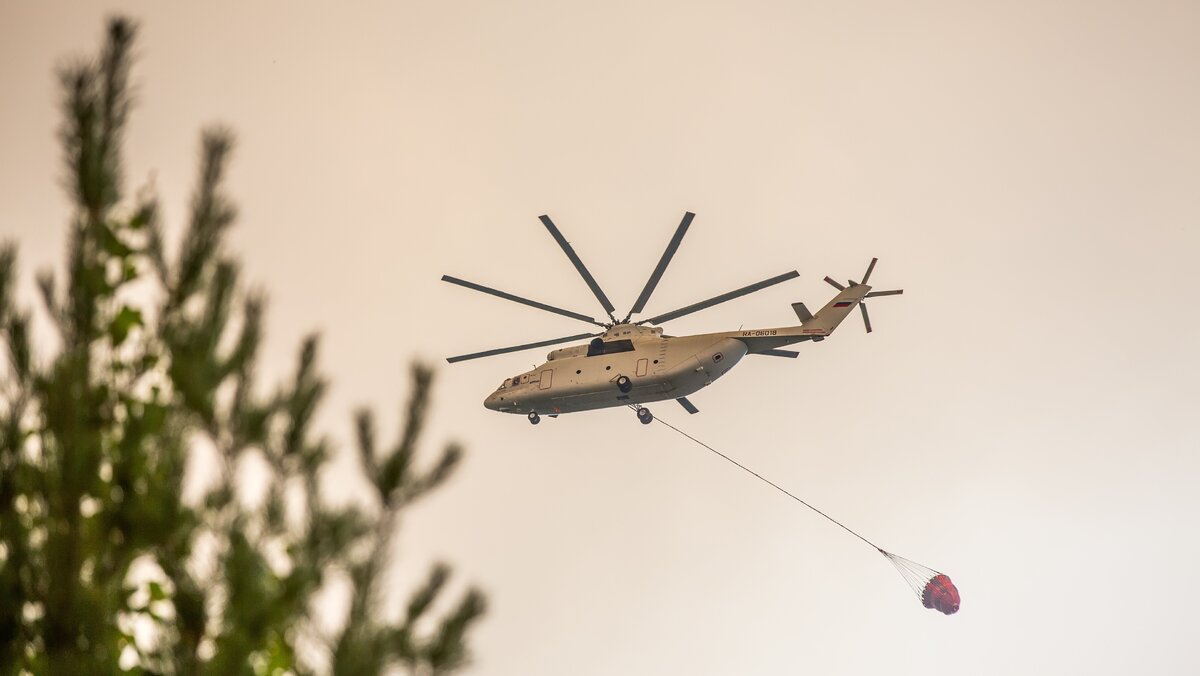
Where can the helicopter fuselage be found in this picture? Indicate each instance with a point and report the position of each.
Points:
(651, 366)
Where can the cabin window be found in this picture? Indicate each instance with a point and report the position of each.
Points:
(599, 347)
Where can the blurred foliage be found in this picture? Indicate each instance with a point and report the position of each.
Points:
(157, 356)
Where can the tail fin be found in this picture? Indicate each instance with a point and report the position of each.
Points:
(835, 311)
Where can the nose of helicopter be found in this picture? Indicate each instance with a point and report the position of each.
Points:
(492, 402)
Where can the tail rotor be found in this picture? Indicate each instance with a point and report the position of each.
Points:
(862, 305)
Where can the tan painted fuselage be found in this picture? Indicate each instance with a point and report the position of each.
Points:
(659, 368)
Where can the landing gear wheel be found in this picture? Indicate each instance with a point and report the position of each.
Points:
(624, 384)
(534, 418)
(645, 416)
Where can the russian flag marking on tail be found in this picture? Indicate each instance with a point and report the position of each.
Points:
(843, 303)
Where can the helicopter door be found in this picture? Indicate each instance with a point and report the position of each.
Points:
(546, 379)
(642, 366)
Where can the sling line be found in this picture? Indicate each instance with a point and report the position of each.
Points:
(772, 484)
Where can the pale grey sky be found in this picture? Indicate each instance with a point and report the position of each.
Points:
(1023, 418)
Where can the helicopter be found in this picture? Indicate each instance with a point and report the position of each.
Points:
(631, 364)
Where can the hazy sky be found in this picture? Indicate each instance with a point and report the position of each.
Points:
(1023, 418)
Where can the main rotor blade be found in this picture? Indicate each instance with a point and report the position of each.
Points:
(583, 271)
(715, 300)
(517, 299)
(518, 348)
(833, 282)
(866, 317)
(876, 294)
(662, 264)
(869, 269)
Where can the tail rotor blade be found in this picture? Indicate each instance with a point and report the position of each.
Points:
(583, 271)
(862, 306)
(870, 268)
(662, 264)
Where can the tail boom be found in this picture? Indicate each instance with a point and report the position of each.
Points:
(812, 327)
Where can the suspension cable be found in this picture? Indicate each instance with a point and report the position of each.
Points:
(773, 485)
(934, 589)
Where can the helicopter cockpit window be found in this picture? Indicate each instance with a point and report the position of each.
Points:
(599, 347)
(595, 347)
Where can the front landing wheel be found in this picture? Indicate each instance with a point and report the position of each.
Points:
(534, 418)
(645, 416)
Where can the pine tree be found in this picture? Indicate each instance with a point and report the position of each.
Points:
(157, 353)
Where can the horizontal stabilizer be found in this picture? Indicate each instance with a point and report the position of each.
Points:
(687, 405)
(802, 312)
(791, 354)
